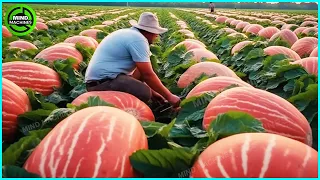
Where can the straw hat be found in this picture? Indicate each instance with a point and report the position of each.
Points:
(148, 22)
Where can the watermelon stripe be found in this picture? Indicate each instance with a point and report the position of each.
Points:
(78, 167)
(75, 140)
(307, 157)
(99, 152)
(11, 103)
(267, 156)
(221, 168)
(205, 170)
(123, 166)
(7, 115)
(27, 71)
(233, 160)
(32, 79)
(244, 154)
(117, 163)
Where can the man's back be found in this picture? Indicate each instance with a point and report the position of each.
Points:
(117, 54)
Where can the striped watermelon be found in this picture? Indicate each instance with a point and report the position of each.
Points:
(41, 26)
(121, 100)
(32, 75)
(305, 46)
(310, 64)
(63, 52)
(83, 40)
(209, 68)
(54, 22)
(40, 20)
(229, 30)
(242, 25)
(240, 46)
(268, 32)
(235, 22)
(308, 23)
(200, 53)
(189, 45)
(254, 29)
(196, 41)
(289, 26)
(277, 115)
(6, 32)
(91, 33)
(229, 20)
(285, 35)
(66, 20)
(23, 45)
(216, 84)
(309, 30)
(14, 102)
(314, 53)
(273, 50)
(299, 30)
(221, 19)
(93, 142)
(256, 155)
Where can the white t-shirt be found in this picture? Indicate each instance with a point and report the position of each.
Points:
(117, 53)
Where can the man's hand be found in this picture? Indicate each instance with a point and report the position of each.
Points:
(156, 96)
(174, 100)
(152, 80)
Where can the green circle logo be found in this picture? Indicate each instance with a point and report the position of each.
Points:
(20, 19)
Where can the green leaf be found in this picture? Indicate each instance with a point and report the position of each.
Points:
(255, 53)
(58, 97)
(32, 120)
(56, 116)
(165, 130)
(77, 91)
(151, 128)
(193, 107)
(157, 142)
(101, 35)
(92, 101)
(231, 123)
(294, 73)
(17, 172)
(302, 100)
(163, 163)
(38, 101)
(67, 72)
(18, 152)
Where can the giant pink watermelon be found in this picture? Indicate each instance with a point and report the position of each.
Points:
(216, 84)
(305, 46)
(256, 155)
(277, 115)
(274, 50)
(209, 68)
(310, 64)
(93, 142)
(14, 102)
(121, 100)
(32, 75)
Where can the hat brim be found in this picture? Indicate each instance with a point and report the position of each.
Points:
(157, 30)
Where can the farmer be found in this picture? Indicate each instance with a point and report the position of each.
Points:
(122, 62)
(211, 6)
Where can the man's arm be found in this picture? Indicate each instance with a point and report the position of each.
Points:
(152, 80)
